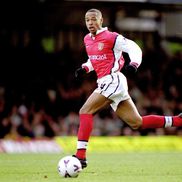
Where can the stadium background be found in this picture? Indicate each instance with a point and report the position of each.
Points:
(41, 45)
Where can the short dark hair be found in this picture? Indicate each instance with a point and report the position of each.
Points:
(96, 11)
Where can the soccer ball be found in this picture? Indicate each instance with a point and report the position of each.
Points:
(69, 167)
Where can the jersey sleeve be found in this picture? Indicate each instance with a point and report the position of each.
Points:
(130, 47)
(88, 66)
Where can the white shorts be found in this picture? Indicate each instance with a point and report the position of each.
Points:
(114, 87)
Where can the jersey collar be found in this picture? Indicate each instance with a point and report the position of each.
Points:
(99, 31)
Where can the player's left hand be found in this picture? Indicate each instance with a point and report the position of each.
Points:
(131, 69)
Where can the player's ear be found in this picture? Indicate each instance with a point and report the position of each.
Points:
(101, 21)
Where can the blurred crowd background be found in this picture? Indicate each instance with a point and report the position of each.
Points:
(41, 45)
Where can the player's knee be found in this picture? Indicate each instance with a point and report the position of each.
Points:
(88, 109)
(81, 111)
(136, 125)
(85, 110)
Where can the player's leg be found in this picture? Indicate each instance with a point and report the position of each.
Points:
(93, 104)
(127, 112)
(156, 121)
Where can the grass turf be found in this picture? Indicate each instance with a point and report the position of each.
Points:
(107, 167)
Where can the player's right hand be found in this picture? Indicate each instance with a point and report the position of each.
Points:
(80, 72)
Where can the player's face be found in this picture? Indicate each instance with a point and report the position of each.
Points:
(93, 22)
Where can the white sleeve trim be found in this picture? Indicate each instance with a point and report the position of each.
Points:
(130, 47)
(88, 64)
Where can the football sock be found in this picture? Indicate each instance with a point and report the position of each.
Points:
(155, 121)
(84, 132)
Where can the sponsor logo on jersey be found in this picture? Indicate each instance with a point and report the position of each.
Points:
(98, 57)
(100, 46)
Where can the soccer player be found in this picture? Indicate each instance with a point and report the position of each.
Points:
(104, 49)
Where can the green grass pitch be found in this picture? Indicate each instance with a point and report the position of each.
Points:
(106, 167)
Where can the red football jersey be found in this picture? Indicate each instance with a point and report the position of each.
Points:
(100, 49)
